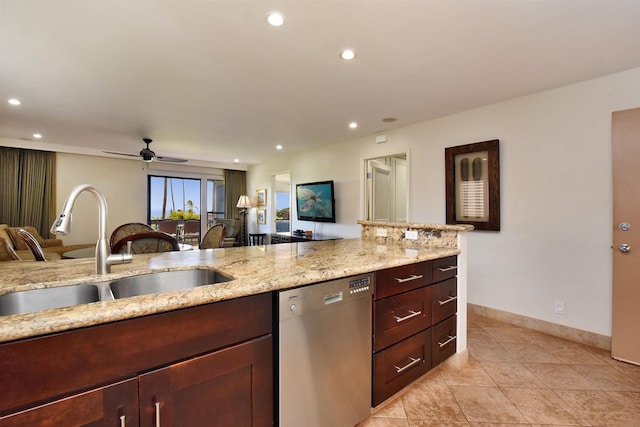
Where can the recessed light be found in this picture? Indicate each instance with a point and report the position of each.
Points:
(389, 119)
(353, 125)
(236, 160)
(278, 147)
(347, 54)
(37, 135)
(275, 19)
(14, 101)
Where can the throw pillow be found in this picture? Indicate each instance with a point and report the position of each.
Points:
(4, 234)
(6, 251)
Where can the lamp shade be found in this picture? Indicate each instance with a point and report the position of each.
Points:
(243, 202)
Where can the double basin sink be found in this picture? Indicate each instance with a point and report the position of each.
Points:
(65, 296)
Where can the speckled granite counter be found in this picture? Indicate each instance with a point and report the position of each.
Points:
(255, 269)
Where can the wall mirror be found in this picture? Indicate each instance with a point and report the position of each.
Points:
(386, 188)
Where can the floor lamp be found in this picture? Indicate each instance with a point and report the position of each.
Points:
(244, 204)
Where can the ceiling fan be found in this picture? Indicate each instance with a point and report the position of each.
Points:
(147, 155)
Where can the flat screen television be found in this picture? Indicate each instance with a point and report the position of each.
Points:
(315, 202)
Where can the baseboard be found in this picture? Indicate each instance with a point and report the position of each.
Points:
(561, 331)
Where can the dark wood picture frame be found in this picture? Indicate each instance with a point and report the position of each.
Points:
(473, 185)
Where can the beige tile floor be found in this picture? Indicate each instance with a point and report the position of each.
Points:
(519, 377)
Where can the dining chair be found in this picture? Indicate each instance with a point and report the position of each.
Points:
(32, 244)
(214, 237)
(127, 229)
(147, 243)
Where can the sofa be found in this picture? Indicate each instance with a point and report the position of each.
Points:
(13, 248)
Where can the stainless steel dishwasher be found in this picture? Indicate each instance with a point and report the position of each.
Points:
(325, 353)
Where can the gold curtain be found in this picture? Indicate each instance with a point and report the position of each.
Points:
(235, 185)
(27, 188)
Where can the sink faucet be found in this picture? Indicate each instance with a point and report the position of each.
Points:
(104, 258)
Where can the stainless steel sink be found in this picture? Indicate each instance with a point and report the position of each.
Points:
(165, 281)
(43, 299)
(66, 296)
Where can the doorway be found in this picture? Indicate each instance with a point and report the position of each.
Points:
(625, 135)
(386, 188)
(282, 202)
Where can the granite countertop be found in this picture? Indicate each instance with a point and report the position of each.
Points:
(254, 269)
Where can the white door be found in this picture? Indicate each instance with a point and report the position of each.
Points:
(625, 140)
(399, 189)
(380, 191)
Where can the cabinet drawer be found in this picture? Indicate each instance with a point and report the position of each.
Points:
(400, 316)
(399, 365)
(445, 268)
(396, 280)
(445, 299)
(444, 340)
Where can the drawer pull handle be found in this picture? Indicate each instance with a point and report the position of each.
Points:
(122, 421)
(408, 365)
(409, 316)
(451, 338)
(448, 300)
(410, 278)
(157, 404)
(445, 269)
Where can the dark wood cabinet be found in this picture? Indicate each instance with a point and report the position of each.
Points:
(113, 405)
(227, 387)
(218, 349)
(413, 323)
(400, 316)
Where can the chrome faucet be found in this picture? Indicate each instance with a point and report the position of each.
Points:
(104, 258)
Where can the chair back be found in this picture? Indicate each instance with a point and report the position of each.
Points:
(127, 229)
(146, 243)
(232, 228)
(32, 244)
(214, 237)
(192, 230)
(169, 226)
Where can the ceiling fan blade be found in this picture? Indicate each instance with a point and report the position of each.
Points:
(170, 159)
(123, 154)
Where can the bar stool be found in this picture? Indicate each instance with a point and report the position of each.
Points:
(257, 239)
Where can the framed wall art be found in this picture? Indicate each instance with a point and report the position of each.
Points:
(261, 216)
(261, 196)
(473, 185)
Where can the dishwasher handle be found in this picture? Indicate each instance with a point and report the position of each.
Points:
(330, 299)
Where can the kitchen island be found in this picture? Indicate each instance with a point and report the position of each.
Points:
(256, 272)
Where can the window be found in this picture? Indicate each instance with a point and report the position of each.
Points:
(215, 200)
(282, 185)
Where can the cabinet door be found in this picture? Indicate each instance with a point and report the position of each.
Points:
(230, 387)
(400, 316)
(445, 299)
(111, 406)
(444, 341)
(393, 281)
(401, 364)
(445, 268)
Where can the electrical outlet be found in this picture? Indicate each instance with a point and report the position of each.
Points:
(381, 232)
(411, 234)
(559, 307)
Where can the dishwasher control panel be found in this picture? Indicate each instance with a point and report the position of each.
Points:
(361, 284)
(299, 301)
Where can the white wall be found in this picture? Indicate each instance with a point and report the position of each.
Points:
(122, 182)
(555, 165)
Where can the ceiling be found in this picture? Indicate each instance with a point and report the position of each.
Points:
(210, 81)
